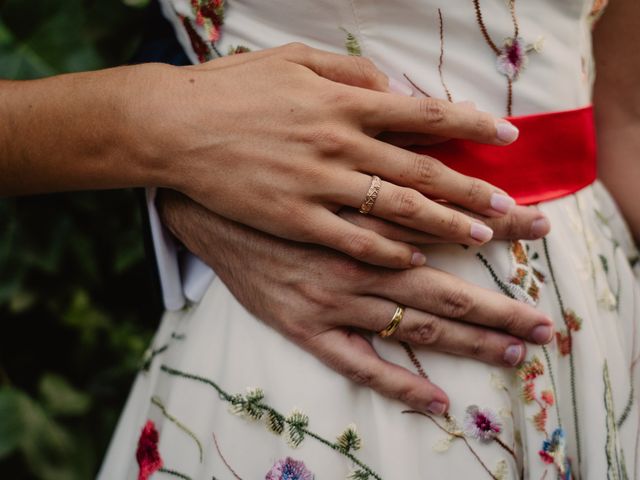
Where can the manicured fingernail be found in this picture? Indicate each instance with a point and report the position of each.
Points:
(400, 88)
(502, 203)
(540, 227)
(418, 259)
(480, 232)
(541, 334)
(506, 132)
(513, 354)
(437, 408)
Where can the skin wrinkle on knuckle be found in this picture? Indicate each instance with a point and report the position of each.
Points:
(484, 126)
(479, 345)
(428, 332)
(407, 203)
(367, 71)
(474, 190)
(425, 170)
(454, 224)
(510, 320)
(359, 245)
(432, 111)
(456, 303)
(360, 376)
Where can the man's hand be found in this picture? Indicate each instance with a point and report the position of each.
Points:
(320, 299)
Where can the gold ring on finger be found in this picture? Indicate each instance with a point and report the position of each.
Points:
(372, 195)
(394, 323)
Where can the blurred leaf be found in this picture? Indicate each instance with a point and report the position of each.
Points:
(11, 425)
(136, 3)
(85, 317)
(60, 398)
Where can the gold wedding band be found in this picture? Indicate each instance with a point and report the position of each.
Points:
(372, 195)
(394, 323)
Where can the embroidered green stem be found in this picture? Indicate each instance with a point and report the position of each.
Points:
(267, 409)
(457, 435)
(627, 408)
(173, 473)
(158, 403)
(572, 369)
(500, 284)
(505, 289)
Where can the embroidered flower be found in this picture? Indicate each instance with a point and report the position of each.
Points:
(200, 48)
(528, 392)
(564, 342)
(210, 15)
(573, 321)
(481, 424)
(147, 453)
(547, 397)
(289, 469)
(526, 280)
(531, 369)
(553, 451)
(540, 420)
(512, 58)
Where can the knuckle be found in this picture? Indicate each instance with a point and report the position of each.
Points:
(510, 321)
(407, 203)
(331, 141)
(454, 224)
(457, 303)
(345, 268)
(474, 190)
(478, 347)
(297, 48)
(428, 332)
(431, 110)
(511, 226)
(360, 245)
(360, 376)
(425, 169)
(484, 126)
(368, 73)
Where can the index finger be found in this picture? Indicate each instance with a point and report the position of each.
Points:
(352, 356)
(432, 116)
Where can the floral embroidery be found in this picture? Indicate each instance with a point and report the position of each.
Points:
(147, 453)
(553, 452)
(350, 439)
(512, 56)
(289, 469)
(352, 44)
(482, 425)
(526, 280)
(238, 49)
(573, 323)
(210, 15)
(252, 407)
(200, 48)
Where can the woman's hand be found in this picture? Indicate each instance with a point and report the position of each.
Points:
(320, 299)
(282, 139)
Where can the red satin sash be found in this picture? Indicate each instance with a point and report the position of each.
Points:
(554, 156)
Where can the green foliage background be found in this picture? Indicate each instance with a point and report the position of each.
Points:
(76, 304)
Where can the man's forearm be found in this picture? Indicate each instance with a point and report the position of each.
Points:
(71, 132)
(617, 106)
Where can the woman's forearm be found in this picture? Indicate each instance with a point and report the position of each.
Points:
(72, 132)
(617, 106)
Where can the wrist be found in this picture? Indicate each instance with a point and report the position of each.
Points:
(148, 131)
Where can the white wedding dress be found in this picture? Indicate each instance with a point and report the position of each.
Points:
(225, 396)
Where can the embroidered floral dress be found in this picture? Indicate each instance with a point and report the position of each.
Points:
(223, 396)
